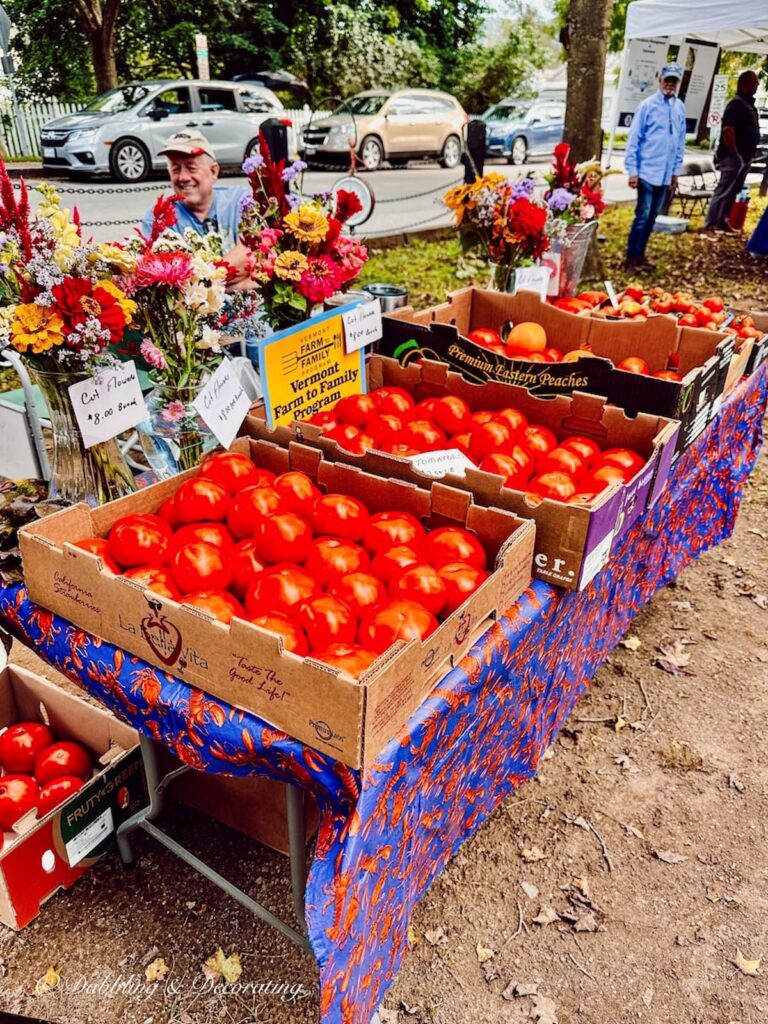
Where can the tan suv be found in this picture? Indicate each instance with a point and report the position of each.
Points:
(395, 126)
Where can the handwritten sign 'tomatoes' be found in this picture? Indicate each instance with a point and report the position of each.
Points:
(223, 403)
(108, 403)
(306, 368)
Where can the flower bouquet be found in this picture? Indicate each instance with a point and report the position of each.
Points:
(299, 257)
(61, 306)
(502, 218)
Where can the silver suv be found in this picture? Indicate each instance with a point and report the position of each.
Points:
(121, 131)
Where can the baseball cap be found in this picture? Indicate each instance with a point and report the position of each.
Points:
(672, 70)
(188, 141)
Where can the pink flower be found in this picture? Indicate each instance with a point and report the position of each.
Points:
(172, 269)
(174, 411)
(352, 257)
(152, 354)
(587, 211)
(322, 278)
(269, 238)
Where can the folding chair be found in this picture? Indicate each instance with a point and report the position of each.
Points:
(695, 187)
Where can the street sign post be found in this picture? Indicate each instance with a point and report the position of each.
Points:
(201, 49)
(717, 106)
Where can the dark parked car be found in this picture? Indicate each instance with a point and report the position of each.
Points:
(519, 129)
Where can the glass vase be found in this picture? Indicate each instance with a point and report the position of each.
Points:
(94, 475)
(570, 252)
(502, 277)
(174, 437)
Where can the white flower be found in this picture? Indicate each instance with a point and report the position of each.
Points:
(587, 211)
(209, 339)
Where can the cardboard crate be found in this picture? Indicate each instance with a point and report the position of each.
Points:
(43, 855)
(572, 542)
(247, 666)
(441, 333)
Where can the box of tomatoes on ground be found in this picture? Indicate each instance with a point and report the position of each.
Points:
(71, 773)
(325, 599)
(579, 467)
(650, 365)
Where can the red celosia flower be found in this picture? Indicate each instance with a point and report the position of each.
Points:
(347, 204)
(164, 214)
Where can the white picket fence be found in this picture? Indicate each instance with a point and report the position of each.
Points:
(35, 115)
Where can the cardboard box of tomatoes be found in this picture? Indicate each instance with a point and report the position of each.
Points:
(650, 365)
(343, 629)
(63, 822)
(577, 520)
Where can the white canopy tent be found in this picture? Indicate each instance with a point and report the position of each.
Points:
(729, 25)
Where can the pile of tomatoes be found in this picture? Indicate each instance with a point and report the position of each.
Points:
(38, 772)
(332, 579)
(529, 457)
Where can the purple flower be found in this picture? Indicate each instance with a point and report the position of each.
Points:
(246, 204)
(560, 200)
(295, 169)
(522, 189)
(293, 200)
(252, 163)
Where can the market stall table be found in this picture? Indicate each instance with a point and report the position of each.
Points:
(387, 832)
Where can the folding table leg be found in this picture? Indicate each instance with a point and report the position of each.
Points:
(155, 806)
(297, 843)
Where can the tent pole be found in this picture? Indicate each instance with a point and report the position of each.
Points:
(616, 104)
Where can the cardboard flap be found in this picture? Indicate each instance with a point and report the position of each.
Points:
(450, 502)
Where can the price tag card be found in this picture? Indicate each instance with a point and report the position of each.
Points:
(362, 325)
(108, 404)
(612, 294)
(533, 279)
(223, 403)
(441, 463)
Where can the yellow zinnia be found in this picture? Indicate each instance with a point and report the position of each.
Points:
(289, 266)
(36, 328)
(127, 305)
(308, 224)
(115, 256)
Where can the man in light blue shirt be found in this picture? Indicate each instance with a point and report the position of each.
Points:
(654, 154)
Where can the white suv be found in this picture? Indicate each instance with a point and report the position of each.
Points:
(121, 131)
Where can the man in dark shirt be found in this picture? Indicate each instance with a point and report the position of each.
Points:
(738, 145)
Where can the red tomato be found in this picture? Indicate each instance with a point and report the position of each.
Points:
(200, 566)
(513, 419)
(424, 410)
(341, 516)
(624, 458)
(246, 563)
(603, 477)
(688, 320)
(508, 467)
(56, 792)
(279, 588)
(218, 603)
(539, 441)
(324, 418)
(392, 529)
(667, 375)
(714, 303)
(460, 580)
(199, 501)
(18, 796)
(156, 579)
(63, 758)
(556, 485)
(100, 547)
(487, 438)
(325, 619)
(250, 508)
(402, 451)
(21, 743)
(562, 460)
(297, 493)
(355, 409)
(293, 637)
(167, 511)
(485, 337)
(634, 291)
(398, 620)
(587, 449)
(360, 591)
(633, 364)
(422, 584)
(553, 355)
(481, 416)
(233, 471)
(350, 438)
(384, 428)
(581, 498)
(452, 414)
(215, 534)
(284, 537)
(390, 563)
(350, 658)
(703, 316)
(140, 539)
(331, 557)
(452, 544)
(423, 435)
(394, 401)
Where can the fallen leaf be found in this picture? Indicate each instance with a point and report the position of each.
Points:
(531, 854)
(632, 643)
(387, 1016)
(489, 972)
(580, 822)
(624, 761)
(544, 1010)
(682, 606)
(434, 935)
(715, 895)
(761, 600)
(219, 966)
(619, 724)
(547, 915)
(157, 970)
(647, 997)
(585, 922)
(411, 1011)
(48, 982)
(413, 938)
(530, 890)
(735, 782)
(748, 967)
(530, 989)
(759, 533)
(669, 857)
(509, 992)
(484, 952)
(634, 831)
(672, 667)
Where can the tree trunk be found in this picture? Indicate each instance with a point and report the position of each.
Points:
(585, 38)
(98, 24)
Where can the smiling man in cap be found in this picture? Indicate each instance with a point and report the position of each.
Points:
(205, 205)
(654, 154)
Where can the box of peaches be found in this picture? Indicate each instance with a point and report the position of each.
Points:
(70, 773)
(649, 364)
(324, 599)
(579, 467)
